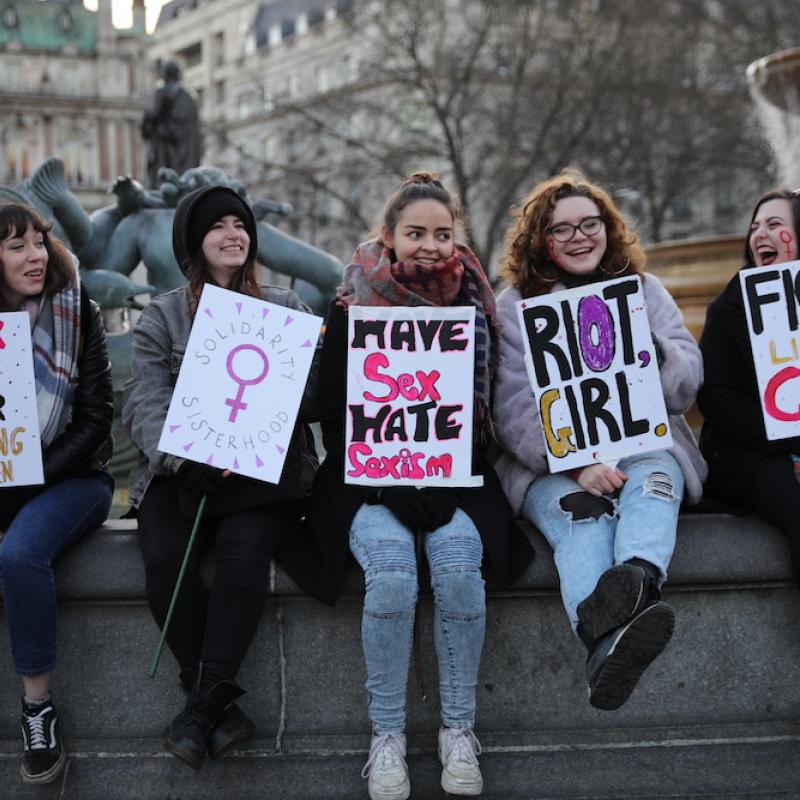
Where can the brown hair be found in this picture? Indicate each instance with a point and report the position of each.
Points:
(15, 219)
(526, 262)
(418, 186)
(793, 196)
(245, 281)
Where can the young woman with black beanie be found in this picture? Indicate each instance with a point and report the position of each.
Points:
(245, 521)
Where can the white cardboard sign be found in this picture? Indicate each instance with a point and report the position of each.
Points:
(410, 396)
(592, 365)
(20, 445)
(238, 392)
(770, 296)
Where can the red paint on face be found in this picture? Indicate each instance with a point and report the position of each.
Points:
(551, 246)
(786, 238)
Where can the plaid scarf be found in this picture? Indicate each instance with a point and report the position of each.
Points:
(372, 279)
(55, 334)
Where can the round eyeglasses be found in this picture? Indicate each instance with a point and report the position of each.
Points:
(564, 231)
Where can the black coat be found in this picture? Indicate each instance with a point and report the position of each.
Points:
(85, 443)
(334, 503)
(734, 439)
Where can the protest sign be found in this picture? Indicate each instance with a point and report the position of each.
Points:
(20, 445)
(771, 305)
(239, 388)
(410, 396)
(593, 369)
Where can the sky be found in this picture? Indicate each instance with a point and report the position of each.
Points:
(121, 11)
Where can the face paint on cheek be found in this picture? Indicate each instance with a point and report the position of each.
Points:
(786, 238)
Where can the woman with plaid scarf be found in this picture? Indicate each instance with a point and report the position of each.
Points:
(75, 404)
(416, 261)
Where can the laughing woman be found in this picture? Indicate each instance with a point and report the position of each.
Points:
(74, 399)
(746, 470)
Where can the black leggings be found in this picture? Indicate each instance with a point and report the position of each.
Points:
(776, 497)
(216, 626)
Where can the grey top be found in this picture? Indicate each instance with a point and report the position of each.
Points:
(516, 417)
(159, 344)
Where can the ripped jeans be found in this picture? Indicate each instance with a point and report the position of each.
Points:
(641, 522)
(384, 548)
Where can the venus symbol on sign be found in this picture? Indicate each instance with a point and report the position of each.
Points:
(236, 403)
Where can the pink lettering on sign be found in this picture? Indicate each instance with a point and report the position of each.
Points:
(403, 384)
(770, 402)
(2, 343)
(236, 403)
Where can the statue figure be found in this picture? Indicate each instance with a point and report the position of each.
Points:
(171, 126)
(114, 239)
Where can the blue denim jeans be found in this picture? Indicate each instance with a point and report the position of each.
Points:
(642, 524)
(384, 548)
(44, 528)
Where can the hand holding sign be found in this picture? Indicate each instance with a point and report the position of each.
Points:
(239, 389)
(588, 353)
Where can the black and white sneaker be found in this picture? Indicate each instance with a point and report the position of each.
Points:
(44, 758)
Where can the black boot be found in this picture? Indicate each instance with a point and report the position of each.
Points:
(187, 736)
(233, 726)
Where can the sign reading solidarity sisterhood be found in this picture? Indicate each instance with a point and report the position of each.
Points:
(771, 304)
(20, 446)
(410, 396)
(592, 365)
(237, 396)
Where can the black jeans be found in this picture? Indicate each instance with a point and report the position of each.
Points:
(776, 497)
(213, 625)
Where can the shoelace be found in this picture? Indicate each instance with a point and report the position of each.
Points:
(36, 728)
(389, 749)
(464, 746)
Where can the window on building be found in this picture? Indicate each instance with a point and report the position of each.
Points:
(192, 55)
(321, 78)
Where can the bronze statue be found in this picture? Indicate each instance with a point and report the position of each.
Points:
(171, 126)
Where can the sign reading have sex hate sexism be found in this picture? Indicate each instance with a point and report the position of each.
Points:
(20, 445)
(770, 297)
(592, 365)
(239, 389)
(410, 396)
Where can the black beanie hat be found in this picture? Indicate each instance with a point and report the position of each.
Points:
(198, 211)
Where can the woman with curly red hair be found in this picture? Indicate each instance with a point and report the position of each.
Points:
(612, 529)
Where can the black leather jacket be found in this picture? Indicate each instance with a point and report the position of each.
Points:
(85, 443)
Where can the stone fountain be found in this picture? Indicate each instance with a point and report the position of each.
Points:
(775, 85)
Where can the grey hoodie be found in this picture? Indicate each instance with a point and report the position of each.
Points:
(159, 344)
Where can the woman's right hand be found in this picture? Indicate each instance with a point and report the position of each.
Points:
(194, 481)
(600, 479)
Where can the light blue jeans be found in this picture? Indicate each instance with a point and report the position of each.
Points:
(642, 524)
(384, 548)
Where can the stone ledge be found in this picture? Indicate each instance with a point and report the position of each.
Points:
(713, 549)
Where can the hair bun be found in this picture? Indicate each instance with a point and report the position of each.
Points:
(423, 177)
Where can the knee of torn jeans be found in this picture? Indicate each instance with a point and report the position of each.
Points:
(660, 485)
(583, 506)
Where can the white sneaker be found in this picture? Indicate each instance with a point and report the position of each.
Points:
(459, 749)
(386, 768)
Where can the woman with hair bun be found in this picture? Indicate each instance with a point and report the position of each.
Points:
(75, 404)
(416, 261)
(612, 529)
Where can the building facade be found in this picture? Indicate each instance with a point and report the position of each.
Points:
(73, 87)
